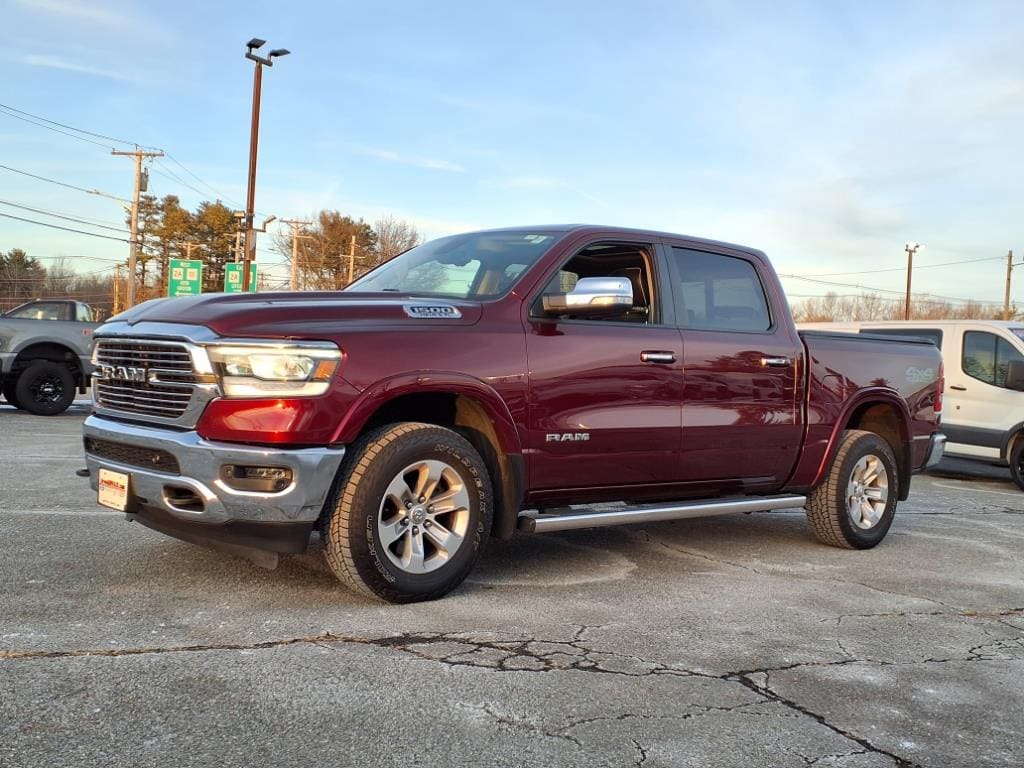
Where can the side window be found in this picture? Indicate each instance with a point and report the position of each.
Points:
(628, 260)
(38, 311)
(719, 293)
(986, 357)
(83, 315)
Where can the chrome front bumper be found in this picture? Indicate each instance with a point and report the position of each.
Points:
(200, 462)
(936, 447)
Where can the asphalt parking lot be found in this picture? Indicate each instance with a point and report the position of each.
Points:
(733, 641)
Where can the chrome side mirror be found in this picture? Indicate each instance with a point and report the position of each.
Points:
(592, 297)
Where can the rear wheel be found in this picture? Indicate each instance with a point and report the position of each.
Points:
(45, 388)
(1017, 463)
(411, 508)
(855, 504)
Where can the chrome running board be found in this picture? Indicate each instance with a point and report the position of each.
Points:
(532, 521)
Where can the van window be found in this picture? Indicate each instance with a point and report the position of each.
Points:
(987, 356)
(934, 335)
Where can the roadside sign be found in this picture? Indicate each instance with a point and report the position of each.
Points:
(233, 277)
(185, 277)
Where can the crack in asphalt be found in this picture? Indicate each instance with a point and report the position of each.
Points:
(542, 656)
(984, 615)
(641, 750)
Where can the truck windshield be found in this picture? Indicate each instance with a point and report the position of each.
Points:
(477, 265)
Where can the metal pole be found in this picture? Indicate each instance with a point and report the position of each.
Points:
(250, 200)
(910, 269)
(1009, 271)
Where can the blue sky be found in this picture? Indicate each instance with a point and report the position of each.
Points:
(826, 133)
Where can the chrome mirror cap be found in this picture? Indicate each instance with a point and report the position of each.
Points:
(592, 296)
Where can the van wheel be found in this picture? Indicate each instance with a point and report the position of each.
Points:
(409, 513)
(854, 506)
(45, 388)
(1017, 463)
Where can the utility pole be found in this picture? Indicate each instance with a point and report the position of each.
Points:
(1009, 271)
(254, 138)
(133, 254)
(911, 249)
(295, 224)
(351, 260)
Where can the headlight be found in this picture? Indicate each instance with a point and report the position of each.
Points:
(290, 370)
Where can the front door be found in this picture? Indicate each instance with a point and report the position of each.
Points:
(604, 395)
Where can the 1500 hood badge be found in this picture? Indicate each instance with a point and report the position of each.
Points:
(432, 311)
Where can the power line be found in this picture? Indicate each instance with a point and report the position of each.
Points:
(167, 173)
(69, 127)
(904, 269)
(64, 184)
(60, 216)
(879, 290)
(220, 195)
(66, 229)
(55, 130)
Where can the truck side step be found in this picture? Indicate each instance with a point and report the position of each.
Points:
(532, 521)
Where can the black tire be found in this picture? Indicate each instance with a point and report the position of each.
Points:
(45, 388)
(1017, 463)
(831, 511)
(8, 392)
(361, 509)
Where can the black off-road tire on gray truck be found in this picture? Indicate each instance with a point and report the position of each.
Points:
(45, 388)
(409, 513)
(854, 505)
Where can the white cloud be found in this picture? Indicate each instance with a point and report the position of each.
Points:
(55, 62)
(429, 163)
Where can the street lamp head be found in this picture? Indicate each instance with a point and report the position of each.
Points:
(279, 52)
(911, 246)
(255, 43)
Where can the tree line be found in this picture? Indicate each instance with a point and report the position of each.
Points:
(23, 278)
(833, 307)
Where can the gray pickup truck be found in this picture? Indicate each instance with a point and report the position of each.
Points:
(45, 347)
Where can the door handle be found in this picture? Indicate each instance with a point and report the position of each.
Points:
(656, 356)
(958, 388)
(775, 362)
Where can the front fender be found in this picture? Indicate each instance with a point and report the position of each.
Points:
(443, 382)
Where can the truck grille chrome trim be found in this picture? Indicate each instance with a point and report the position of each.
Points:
(149, 380)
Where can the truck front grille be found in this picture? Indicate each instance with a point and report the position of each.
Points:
(143, 377)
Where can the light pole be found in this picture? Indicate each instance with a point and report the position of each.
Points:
(911, 249)
(254, 137)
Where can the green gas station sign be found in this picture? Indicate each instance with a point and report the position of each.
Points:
(185, 277)
(233, 278)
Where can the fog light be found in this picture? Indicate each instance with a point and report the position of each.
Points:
(246, 477)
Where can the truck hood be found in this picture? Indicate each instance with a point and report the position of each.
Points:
(305, 314)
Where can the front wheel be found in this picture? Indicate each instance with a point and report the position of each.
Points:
(45, 388)
(410, 512)
(854, 505)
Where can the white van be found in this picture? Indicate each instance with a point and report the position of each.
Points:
(983, 402)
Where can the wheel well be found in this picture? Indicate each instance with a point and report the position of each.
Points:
(470, 419)
(56, 353)
(884, 420)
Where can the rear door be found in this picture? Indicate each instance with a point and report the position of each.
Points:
(742, 364)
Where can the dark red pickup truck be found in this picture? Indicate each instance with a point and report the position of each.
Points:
(484, 382)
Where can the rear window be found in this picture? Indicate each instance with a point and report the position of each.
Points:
(934, 335)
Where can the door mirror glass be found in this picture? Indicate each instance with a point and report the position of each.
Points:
(1015, 375)
(592, 297)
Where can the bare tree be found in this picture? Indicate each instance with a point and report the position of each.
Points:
(394, 236)
(834, 307)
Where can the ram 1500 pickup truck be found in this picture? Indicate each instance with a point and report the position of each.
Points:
(501, 380)
(44, 354)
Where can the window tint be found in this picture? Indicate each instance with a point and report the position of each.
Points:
(986, 357)
(42, 311)
(719, 293)
(934, 335)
